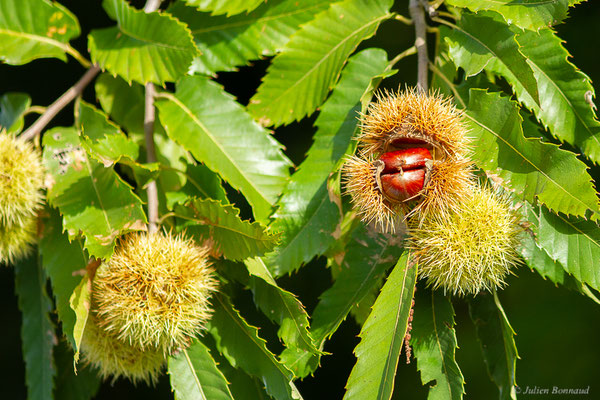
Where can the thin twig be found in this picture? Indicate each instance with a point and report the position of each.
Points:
(418, 17)
(408, 52)
(149, 117)
(60, 103)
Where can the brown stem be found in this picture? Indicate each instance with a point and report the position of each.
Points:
(149, 117)
(59, 104)
(418, 16)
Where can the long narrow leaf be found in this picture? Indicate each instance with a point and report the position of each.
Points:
(382, 336)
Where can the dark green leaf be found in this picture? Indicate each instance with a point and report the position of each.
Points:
(243, 348)
(574, 243)
(201, 183)
(485, 42)
(229, 7)
(37, 332)
(31, 29)
(142, 47)
(92, 199)
(12, 108)
(433, 340)
(123, 102)
(300, 77)
(70, 386)
(308, 214)
(496, 337)
(217, 131)
(382, 336)
(209, 219)
(526, 14)
(195, 375)
(563, 107)
(64, 263)
(533, 168)
(227, 42)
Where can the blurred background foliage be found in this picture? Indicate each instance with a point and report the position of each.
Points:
(551, 322)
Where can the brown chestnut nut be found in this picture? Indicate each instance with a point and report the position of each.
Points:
(402, 174)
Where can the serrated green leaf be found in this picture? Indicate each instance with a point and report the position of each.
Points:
(284, 309)
(368, 256)
(574, 243)
(143, 47)
(497, 341)
(80, 302)
(534, 169)
(563, 108)
(300, 77)
(12, 109)
(122, 101)
(307, 214)
(208, 219)
(70, 386)
(37, 332)
(240, 344)
(526, 14)
(228, 42)
(433, 340)
(31, 29)
(483, 42)
(382, 336)
(102, 139)
(229, 7)
(91, 198)
(65, 264)
(206, 121)
(195, 376)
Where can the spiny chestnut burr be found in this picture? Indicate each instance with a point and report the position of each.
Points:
(412, 159)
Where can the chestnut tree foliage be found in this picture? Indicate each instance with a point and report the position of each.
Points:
(529, 110)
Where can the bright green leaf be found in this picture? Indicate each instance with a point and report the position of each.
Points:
(574, 243)
(195, 375)
(31, 29)
(207, 121)
(37, 332)
(563, 107)
(228, 42)
(533, 168)
(308, 214)
(122, 101)
(80, 302)
(497, 339)
(433, 340)
(526, 14)
(300, 77)
(65, 264)
(484, 42)
(12, 109)
(208, 219)
(144, 47)
(229, 7)
(70, 386)
(382, 336)
(92, 199)
(240, 344)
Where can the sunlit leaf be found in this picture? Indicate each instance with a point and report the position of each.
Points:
(12, 108)
(37, 332)
(497, 339)
(433, 341)
(227, 42)
(208, 219)
(307, 214)
(382, 336)
(240, 344)
(31, 29)
(80, 302)
(229, 7)
(206, 121)
(92, 199)
(195, 375)
(533, 168)
(300, 77)
(143, 47)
